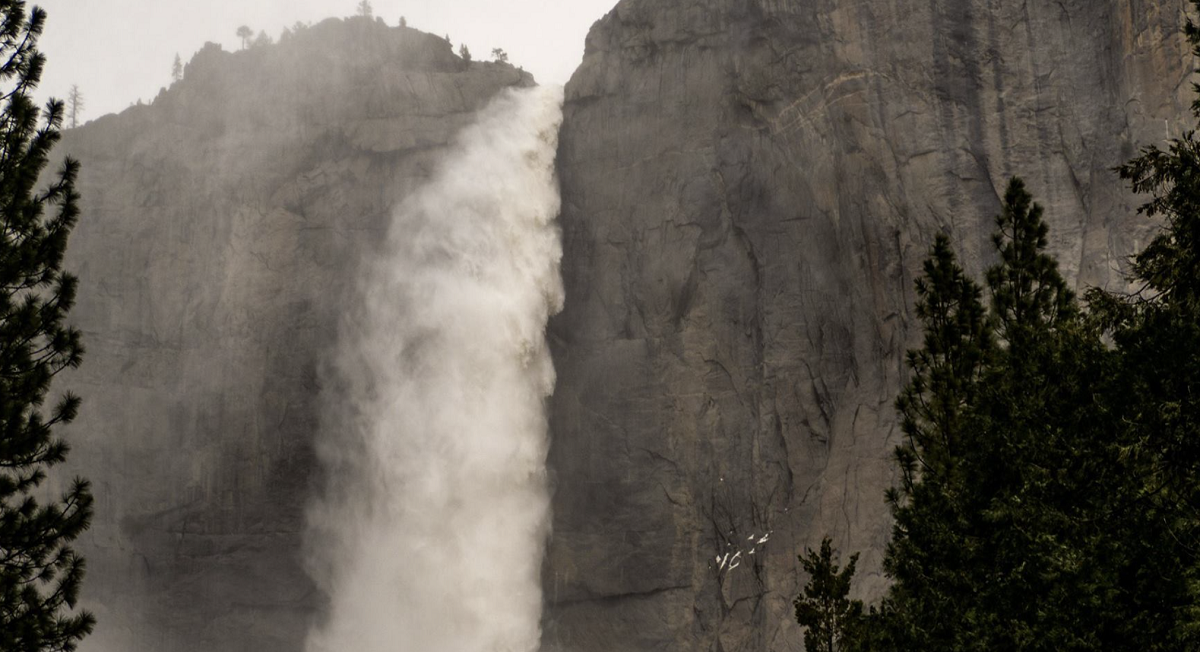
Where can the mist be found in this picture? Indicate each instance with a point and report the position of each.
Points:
(431, 528)
(83, 39)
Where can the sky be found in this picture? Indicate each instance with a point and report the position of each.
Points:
(120, 51)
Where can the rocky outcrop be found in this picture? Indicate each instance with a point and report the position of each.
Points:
(749, 187)
(222, 226)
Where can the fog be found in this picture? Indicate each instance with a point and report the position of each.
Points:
(120, 51)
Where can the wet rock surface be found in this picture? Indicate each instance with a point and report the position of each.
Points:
(749, 188)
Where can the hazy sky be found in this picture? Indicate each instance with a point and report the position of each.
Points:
(118, 51)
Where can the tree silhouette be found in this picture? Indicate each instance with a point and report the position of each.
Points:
(245, 33)
(499, 55)
(464, 52)
(177, 68)
(828, 616)
(40, 575)
(74, 105)
(364, 8)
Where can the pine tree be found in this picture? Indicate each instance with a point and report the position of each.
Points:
(946, 371)
(930, 554)
(1048, 497)
(177, 69)
(1028, 293)
(39, 573)
(1157, 332)
(830, 618)
(245, 33)
(74, 105)
(1030, 514)
(499, 55)
(364, 8)
(464, 53)
(1036, 442)
(979, 527)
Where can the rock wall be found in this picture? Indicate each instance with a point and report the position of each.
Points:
(749, 187)
(222, 225)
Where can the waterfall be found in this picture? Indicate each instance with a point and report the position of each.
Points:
(430, 531)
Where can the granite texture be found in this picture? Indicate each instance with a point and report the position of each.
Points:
(749, 187)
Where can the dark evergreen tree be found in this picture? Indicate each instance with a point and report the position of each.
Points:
(931, 552)
(1028, 294)
(1034, 436)
(1024, 519)
(39, 573)
(945, 372)
(1048, 496)
(830, 618)
(983, 516)
(177, 68)
(1157, 332)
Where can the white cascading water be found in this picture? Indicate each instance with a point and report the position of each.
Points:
(431, 531)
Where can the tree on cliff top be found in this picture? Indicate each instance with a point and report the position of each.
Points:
(39, 573)
(74, 105)
(245, 33)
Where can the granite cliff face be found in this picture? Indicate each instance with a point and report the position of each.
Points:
(748, 189)
(222, 227)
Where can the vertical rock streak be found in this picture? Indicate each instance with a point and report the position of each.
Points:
(430, 533)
